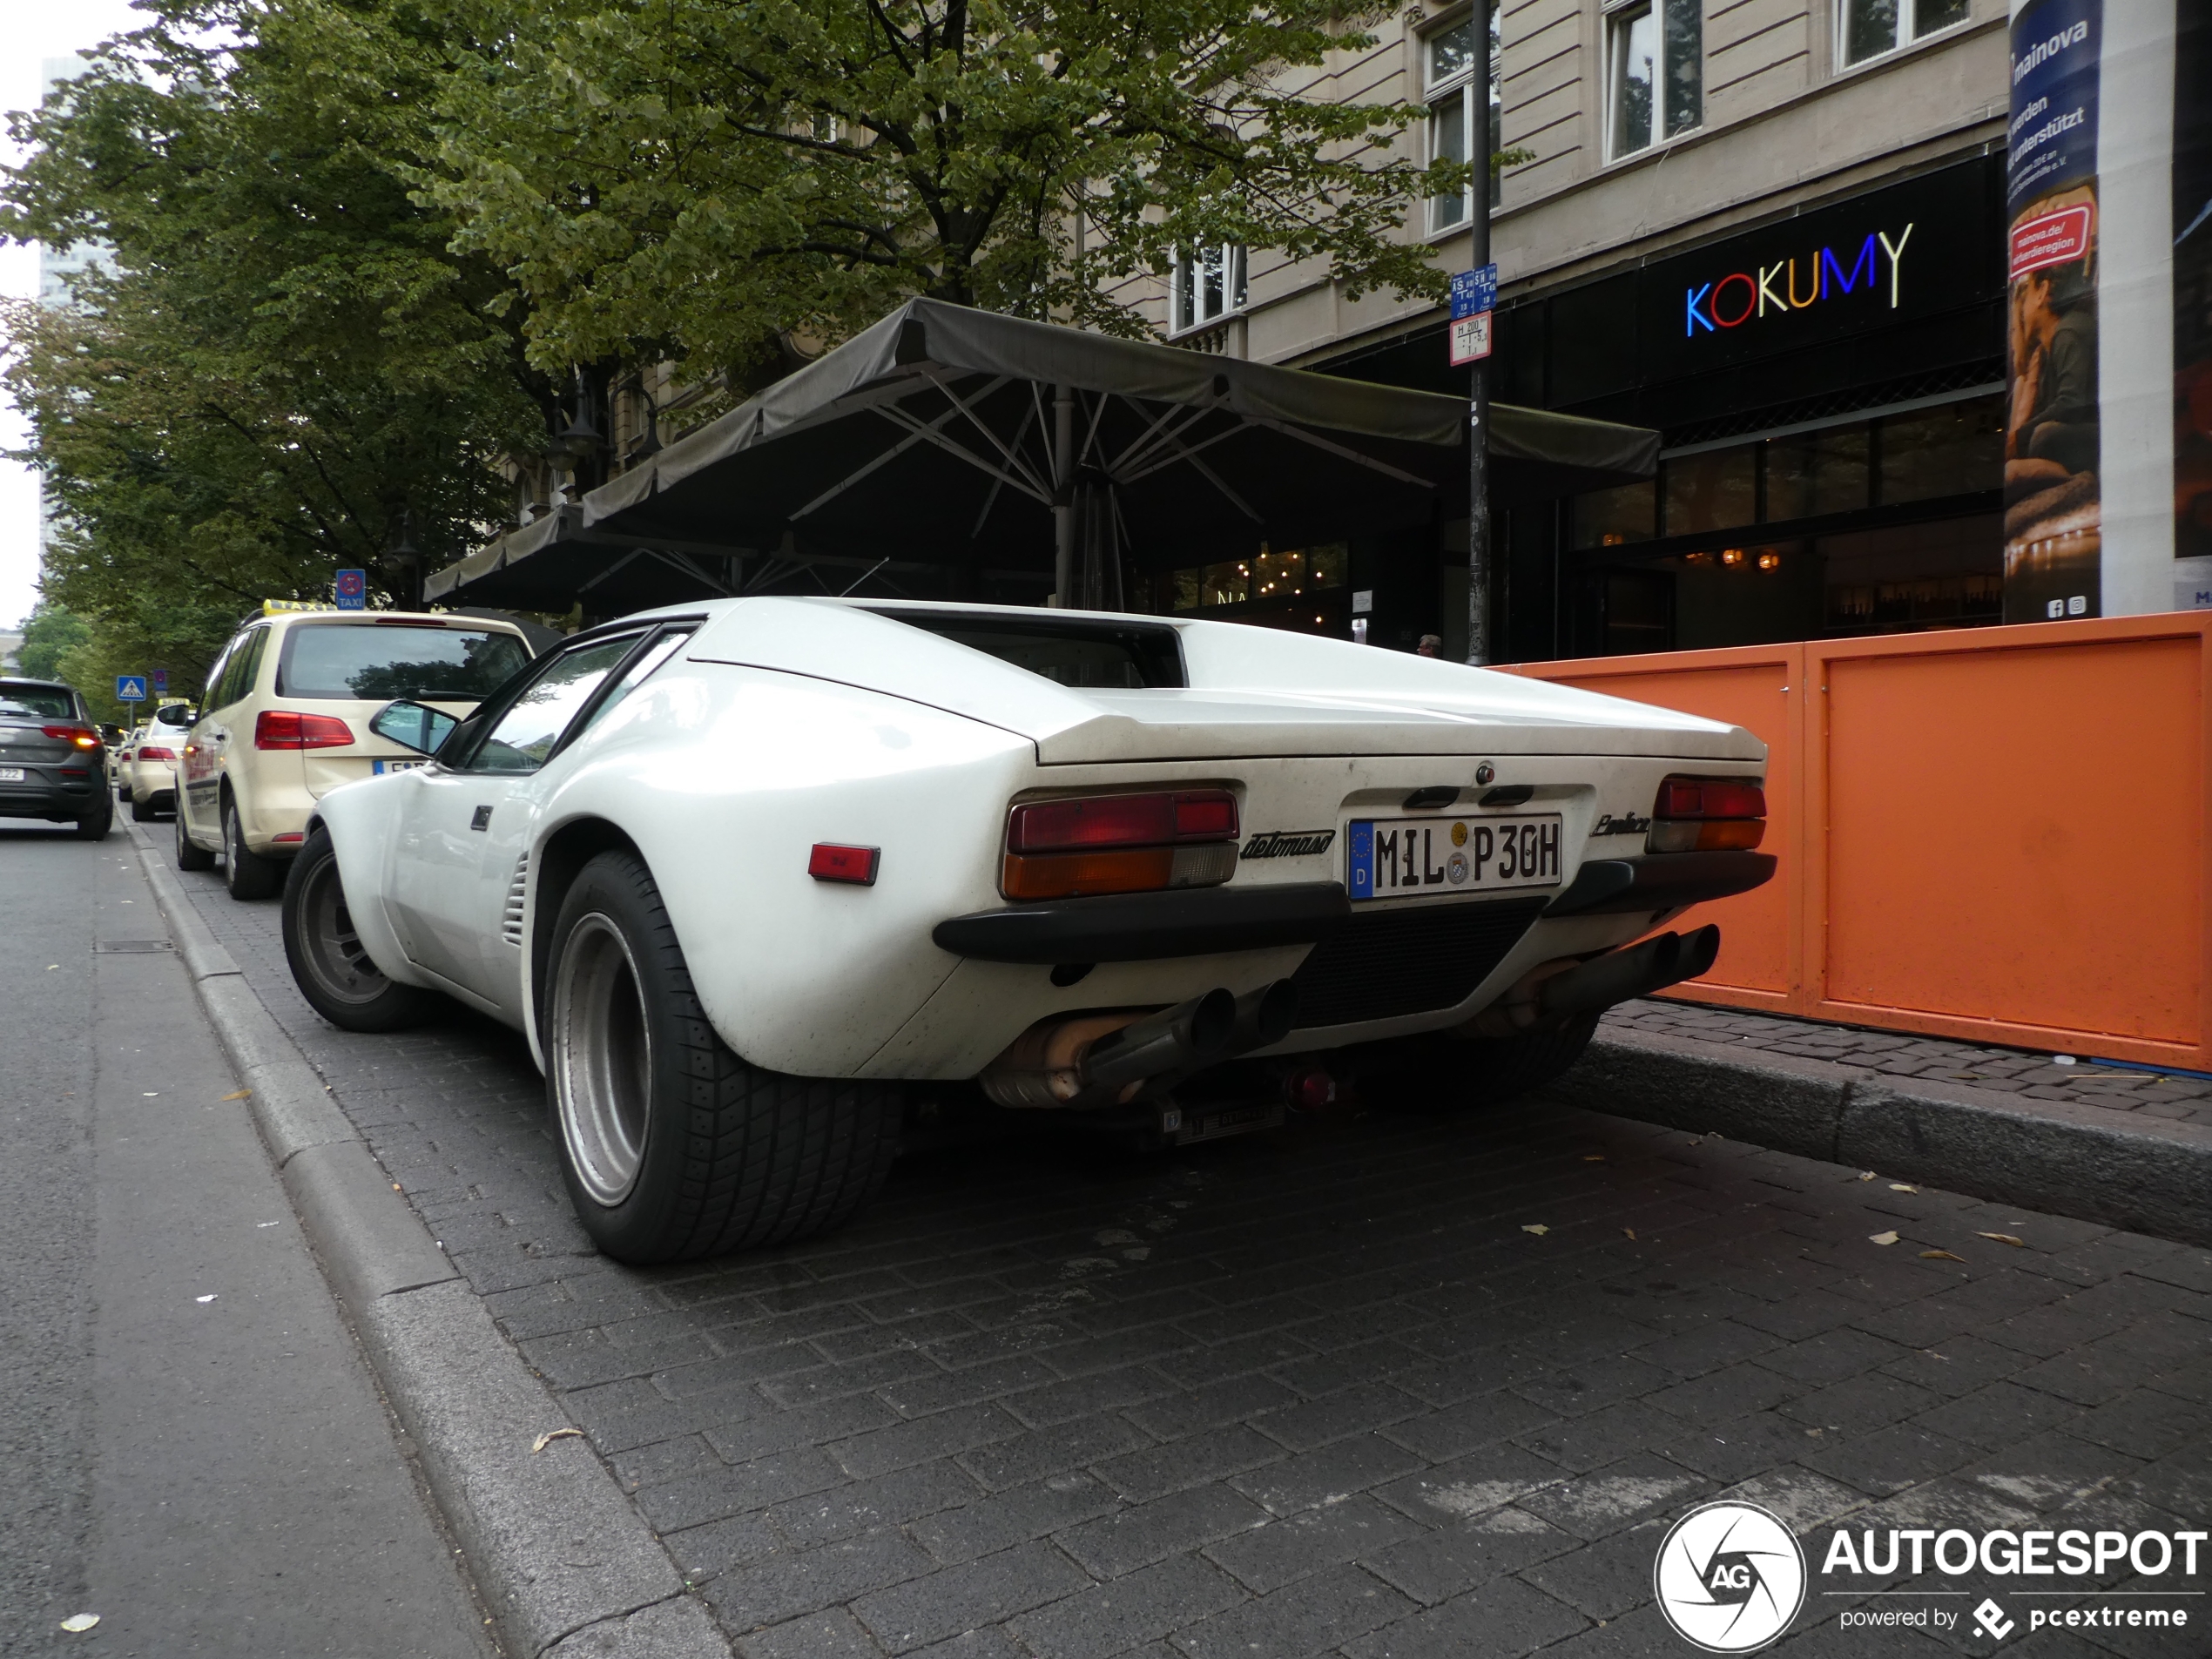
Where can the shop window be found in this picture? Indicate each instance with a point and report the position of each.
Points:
(1265, 576)
(1872, 27)
(1812, 473)
(1615, 517)
(1208, 284)
(1464, 118)
(1716, 490)
(1655, 58)
(1951, 451)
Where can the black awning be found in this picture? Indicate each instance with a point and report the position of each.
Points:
(936, 439)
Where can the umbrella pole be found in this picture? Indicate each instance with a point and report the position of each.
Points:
(1479, 382)
(1063, 507)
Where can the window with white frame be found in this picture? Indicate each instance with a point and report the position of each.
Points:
(1872, 27)
(1464, 118)
(1208, 284)
(1655, 72)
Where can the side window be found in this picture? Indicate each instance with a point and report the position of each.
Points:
(212, 697)
(249, 668)
(664, 647)
(522, 738)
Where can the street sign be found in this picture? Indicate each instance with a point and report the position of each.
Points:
(353, 590)
(130, 688)
(1471, 338)
(1474, 291)
(160, 680)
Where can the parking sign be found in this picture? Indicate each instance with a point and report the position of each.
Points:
(130, 688)
(1474, 291)
(160, 680)
(353, 590)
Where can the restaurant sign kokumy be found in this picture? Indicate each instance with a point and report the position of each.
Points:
(1875, 271)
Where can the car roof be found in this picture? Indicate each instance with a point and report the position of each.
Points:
(289, 619)
(42, 686)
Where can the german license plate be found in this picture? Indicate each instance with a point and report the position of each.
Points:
(10, 774)
(1397, 858)
(378, 768)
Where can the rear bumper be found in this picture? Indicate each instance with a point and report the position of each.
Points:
(1660, 881)
(49, 797)
(1149, 927)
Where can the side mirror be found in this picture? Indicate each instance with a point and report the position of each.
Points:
(413, 725)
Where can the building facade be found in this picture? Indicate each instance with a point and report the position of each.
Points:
(1772, 229)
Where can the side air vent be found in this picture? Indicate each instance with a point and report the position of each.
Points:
(511, 917)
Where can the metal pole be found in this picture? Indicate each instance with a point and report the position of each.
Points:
(1063, 506)
(1478, 376)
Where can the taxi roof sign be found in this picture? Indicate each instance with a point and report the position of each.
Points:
(281, 607)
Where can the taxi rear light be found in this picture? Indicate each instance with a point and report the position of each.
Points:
(154, 751)
(856, 865)
(288, 729)
(1707, 815)
(1090, 821)
(83, 736)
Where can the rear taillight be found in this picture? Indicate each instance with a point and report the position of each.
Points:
(154, 751)
(1099, 844)
(1707, 815)
(83, 736)
(287, 729)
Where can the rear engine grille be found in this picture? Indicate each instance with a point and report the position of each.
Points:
(1408, 961)
(510, 918)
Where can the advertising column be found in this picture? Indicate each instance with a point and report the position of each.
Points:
(2053, 508)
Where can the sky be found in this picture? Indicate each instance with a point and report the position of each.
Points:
(30, 32)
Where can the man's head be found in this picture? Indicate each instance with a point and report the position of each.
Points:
(1431, 645)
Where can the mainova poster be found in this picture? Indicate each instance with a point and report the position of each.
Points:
(2054, 529)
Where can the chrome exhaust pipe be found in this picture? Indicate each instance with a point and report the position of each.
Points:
(1263, 1018)
(1190, 1034)
(1621, 976)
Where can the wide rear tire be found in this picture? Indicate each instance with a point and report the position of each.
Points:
(671, 1146)
(1441, 1072)
(330, 965)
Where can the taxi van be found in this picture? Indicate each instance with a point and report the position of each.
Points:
(285, 720)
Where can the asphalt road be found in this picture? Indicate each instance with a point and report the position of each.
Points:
(1384, 1385)
(194, 1448)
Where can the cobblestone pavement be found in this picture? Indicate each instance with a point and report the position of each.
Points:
(1377, 1388)
(2030, 1073)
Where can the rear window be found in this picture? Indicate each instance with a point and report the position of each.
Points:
(1101, 656)
(36, 703)
(376, 661)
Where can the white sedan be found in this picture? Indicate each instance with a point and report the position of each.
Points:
(749, 872)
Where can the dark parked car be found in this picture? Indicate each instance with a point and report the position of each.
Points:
(53, 764)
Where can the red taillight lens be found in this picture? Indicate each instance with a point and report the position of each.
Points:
(83, 736)
(1710, 798)
(1707, 815)
(829, 862)
(288, 729)
(153, 751)
(1101, 844)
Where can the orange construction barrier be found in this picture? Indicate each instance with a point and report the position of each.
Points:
(1991, 833)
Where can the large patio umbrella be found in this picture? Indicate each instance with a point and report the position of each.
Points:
(970, 445)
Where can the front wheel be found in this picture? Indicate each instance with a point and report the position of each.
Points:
(1439, 1070)
(329, 964)
(673, 1147)
(246, 872)
(189, 855)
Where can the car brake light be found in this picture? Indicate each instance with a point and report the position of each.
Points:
(154, 751)
(1707, 815)
(829, 862)
(83, 736)
(1099, 844)
(288, 729)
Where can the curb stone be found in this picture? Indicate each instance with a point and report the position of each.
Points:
(567, 1564)
(2116, 1169)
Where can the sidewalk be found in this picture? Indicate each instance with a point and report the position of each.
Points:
(2122, 1148)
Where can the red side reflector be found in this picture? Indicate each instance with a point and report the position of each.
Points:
(1709, 798)
(853, 864)
(290, 835)
(288, 729)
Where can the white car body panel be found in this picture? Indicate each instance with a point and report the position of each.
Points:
(788, 722)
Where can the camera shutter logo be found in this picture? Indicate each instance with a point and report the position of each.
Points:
(1729, 1578)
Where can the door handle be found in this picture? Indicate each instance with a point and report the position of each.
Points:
(481, 820)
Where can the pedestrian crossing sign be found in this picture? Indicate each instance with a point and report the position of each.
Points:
(130, 688)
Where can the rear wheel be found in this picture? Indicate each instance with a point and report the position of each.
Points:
(1440, 1071)
(189, 855)
(246, 872)
(141, 812)
(95, 825)
(671, 1146)
(329, 963)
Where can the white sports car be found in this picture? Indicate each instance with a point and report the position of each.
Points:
(746, 871)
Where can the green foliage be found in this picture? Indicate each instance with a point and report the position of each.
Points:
(48, 633)
(696, 179)
(285, 365)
